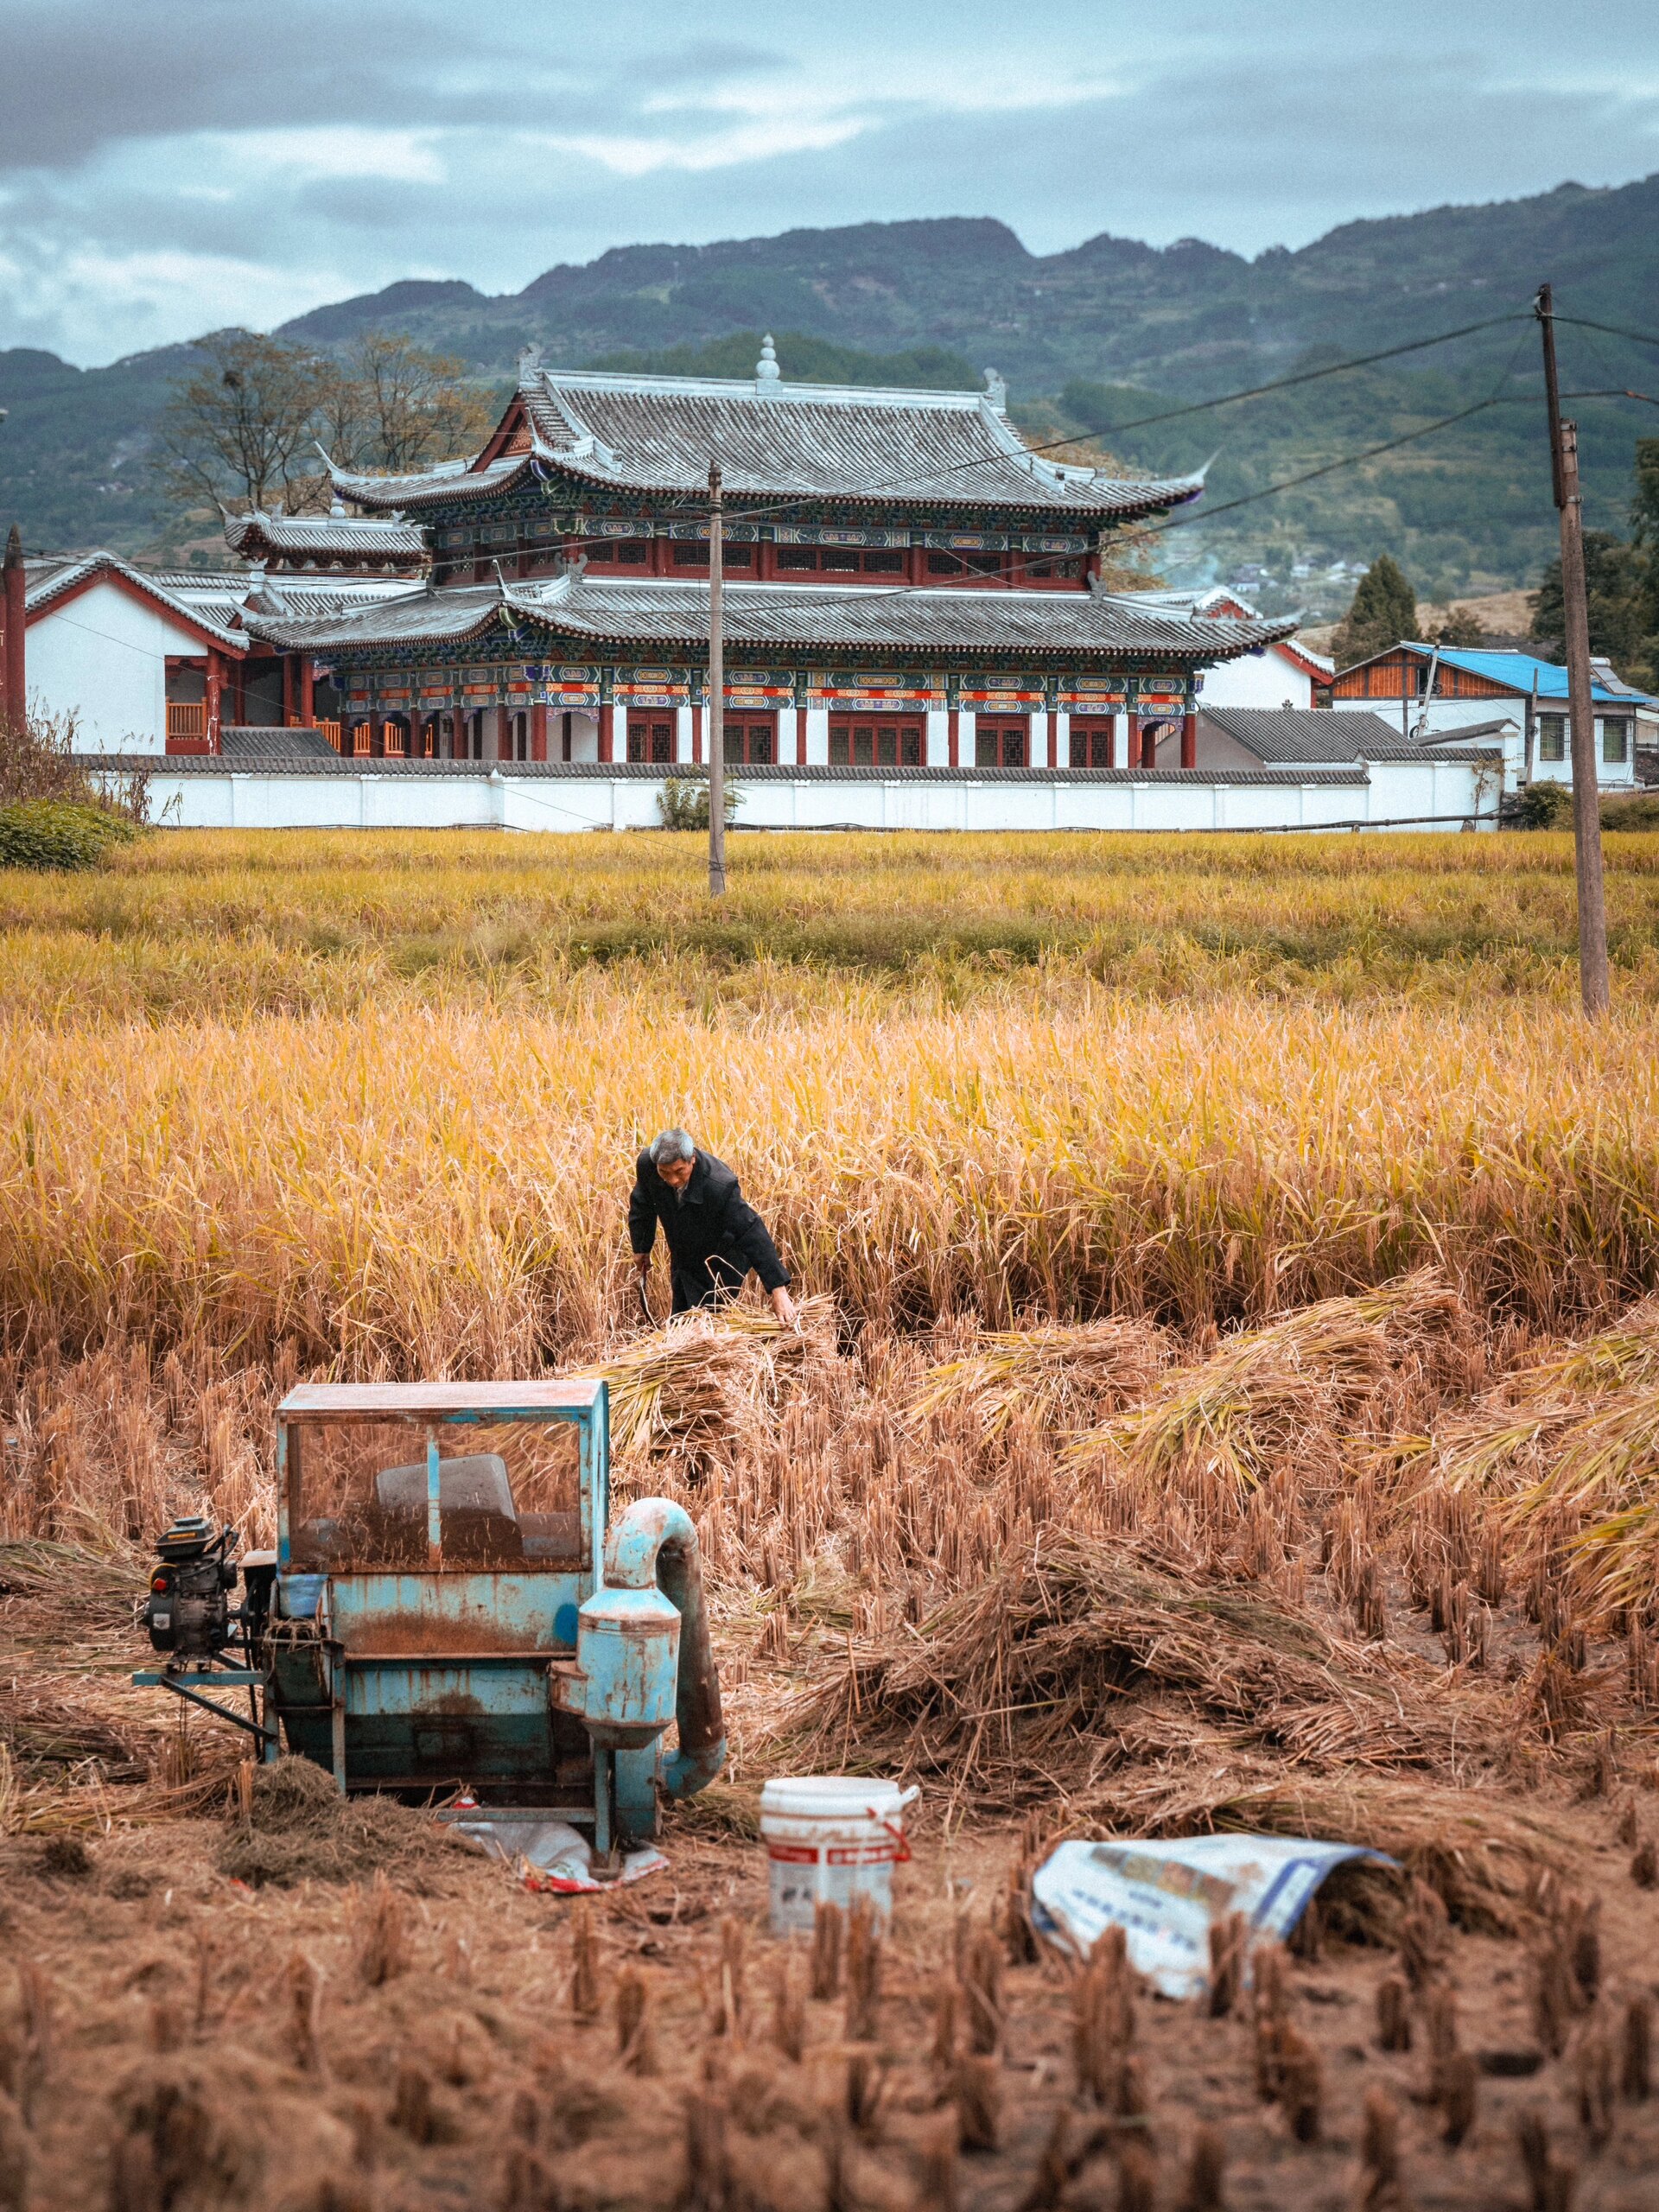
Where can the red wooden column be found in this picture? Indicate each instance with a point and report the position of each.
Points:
(214, 684)
(953, 736)
(13, 699)
(538, 733)
(696, 734)
(607, 732)
(1189, 741)
(308, 692)
(1053, 738)
(1150, 745)
(290, 708)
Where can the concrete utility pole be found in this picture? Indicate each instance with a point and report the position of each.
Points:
(1594, 986)
(717, 692)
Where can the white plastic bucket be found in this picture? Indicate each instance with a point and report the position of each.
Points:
(831, 1837)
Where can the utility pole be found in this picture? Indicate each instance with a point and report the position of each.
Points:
(1594, 986)
(716, 691)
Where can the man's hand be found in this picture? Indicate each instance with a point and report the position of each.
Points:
(784, 1306)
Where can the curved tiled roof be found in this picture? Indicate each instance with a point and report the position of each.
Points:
(326, 538)
(766, 616)
(832, 442)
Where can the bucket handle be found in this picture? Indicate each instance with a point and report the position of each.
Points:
(894, 1828)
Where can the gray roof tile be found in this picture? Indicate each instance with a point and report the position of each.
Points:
(764, 616)
(832, 442)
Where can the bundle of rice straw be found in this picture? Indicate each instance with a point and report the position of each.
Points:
(1575, 1437)
(710, 1379)
(1036, 1672)
(1059, 1376)
(1258, 1400)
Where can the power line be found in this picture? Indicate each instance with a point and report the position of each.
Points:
(1496, 398)
(1195, 407)
(1611, 329)
(1328, 468)
(1303, 375)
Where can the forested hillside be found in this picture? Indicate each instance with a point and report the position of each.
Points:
(1090, 340)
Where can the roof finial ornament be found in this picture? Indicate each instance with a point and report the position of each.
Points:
(336, 506)
(996, 392)
(766, 371)
(529, 364)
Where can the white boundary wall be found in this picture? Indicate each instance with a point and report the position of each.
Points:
(1388, 794)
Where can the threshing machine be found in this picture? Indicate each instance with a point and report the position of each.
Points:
(450, 1604)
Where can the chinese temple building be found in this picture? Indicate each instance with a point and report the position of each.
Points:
(907, 585)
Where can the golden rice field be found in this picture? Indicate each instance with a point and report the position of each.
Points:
(193, 922)
(1228, 1399)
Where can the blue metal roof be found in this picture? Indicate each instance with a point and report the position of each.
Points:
(1523, 672)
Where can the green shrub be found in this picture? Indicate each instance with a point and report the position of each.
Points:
(58, 833)
(1545, 806)
(1640, 810)
(682, 803)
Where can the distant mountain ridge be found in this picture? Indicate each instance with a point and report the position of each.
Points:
(1088, 338)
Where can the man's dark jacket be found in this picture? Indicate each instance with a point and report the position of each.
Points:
(715, 1236)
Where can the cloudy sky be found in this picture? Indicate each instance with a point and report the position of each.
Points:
(169, 166)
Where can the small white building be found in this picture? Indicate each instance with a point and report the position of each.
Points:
(1283, 674)
(161, 660)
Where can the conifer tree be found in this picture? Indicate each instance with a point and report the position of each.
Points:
(1384, 611)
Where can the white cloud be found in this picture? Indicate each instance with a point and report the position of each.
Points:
(403, 138)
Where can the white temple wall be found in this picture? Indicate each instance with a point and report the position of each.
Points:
(223, 797)
(817, 736)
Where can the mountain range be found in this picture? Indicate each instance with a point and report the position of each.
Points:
(1090, 340)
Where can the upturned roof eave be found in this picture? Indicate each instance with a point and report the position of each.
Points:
(320, 635)
(407, 491)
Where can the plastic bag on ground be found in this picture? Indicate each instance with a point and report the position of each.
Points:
(1167, 1894)
(549, 1855)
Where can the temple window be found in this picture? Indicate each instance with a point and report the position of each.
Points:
(652, 740)
(1090, 742)
(872, 742)
(751, 739)
(1001, 741)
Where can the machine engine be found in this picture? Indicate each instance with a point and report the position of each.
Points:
(188, 1611)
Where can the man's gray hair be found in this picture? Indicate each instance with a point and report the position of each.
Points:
(673, 1144)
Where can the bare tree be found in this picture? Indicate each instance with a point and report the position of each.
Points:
(388, 406)
(239, 431)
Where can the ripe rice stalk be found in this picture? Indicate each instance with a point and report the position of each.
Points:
(1571, 1443)
(1056, 1376)
(706, 1379)
(1260, 1397)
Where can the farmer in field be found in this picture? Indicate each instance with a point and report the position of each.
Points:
(715, 1236)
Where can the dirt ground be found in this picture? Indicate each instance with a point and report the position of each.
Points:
(175, 2038)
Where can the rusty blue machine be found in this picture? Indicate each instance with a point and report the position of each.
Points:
(450, 1605)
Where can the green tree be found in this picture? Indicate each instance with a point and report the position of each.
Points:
(1384, 611)
(1644, 537)
(1460, 627)
(1612, 576)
